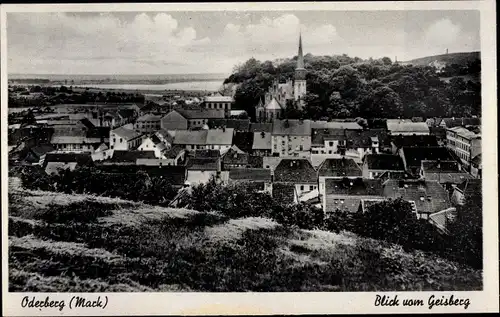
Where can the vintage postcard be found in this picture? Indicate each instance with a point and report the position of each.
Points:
(249, 158)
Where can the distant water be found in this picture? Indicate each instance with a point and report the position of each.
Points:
(211, 85)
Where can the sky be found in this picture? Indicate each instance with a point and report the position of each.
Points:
(214, 42)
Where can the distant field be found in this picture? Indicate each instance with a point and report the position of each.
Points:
(473, 78)
(81, 243)
(451, 58)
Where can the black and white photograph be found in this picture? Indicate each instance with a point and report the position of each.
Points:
(244, 151)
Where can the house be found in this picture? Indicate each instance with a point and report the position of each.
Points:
(243, 140)
(406, 127)
(52, 163)
(127, 157)
(469, 189)
(76, 138)
(336, 125)
(236, 124)
(261, 127)
(176, 154)
(326, 141)
(442, 219)
(337, 168)
(201, 170)
(399, 141)
(218, 102)
(125, 138)
(447, 173)
(426, 197)
(238, 114)
(291, 137)
(361, 142)
(155, 144)
(174, 121)
(148, 123)
(215, 139)
(117, 117)
(298, 172)
(234, 158)
(464, 143)
(270, 110)
(375, 165)
(262, 143)
(198, 118)
(346, 195)
(439, 133)
(412, 157)
(24, 154)
(448, 123)
(476, 166)
(260, 176)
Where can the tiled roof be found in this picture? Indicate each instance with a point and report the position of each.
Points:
(205, 153)
(131, 156)
(414, 140)
(440, 166)
(184, 137)
(273, 104)
(335, 125)
(261, 141)
(40, 150)
(284, 193)
(384, 162)
(237, 124)
(414, 155)
(261, 127)
(243, 140)
(173, 151)
(292, 127)
(255, 161)
(295, 171)
(455, 122)
(476, 161)
(353, 187)
(149, 117)
(339, 167)
(463, 132)
(127, 134)
(250, 174)
(407, 126)
(429, 196)
(448, 177)
(202, 113)
(232, 157)
(80, 158)
(203, 164)
(363, 138)
(320, 135)
(220, 136)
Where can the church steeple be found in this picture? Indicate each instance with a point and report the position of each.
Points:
(300, 56)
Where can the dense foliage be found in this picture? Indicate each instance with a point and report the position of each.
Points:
(344, 87)
(134, 186)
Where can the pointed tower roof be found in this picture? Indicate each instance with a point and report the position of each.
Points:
(300, 56)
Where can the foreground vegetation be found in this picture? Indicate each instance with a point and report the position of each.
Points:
(78, 243)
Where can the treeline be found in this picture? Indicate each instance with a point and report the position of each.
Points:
(70, 95)
(345, 87)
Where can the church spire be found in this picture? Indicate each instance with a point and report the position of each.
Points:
(300, 56)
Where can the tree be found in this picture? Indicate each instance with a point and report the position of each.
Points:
(386, 60)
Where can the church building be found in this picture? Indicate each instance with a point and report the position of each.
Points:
(272, 106)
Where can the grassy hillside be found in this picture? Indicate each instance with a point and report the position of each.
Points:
(451, 58)
(82, 243)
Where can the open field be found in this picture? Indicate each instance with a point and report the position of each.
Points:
(80, 243)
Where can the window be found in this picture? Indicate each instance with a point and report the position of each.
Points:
(341, 201)
(311, 187)
(121, 140)
(301, 187)
(330, 143)
(301, 147)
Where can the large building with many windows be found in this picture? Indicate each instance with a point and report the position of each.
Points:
(464, 143)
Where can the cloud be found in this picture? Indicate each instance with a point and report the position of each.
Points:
(442, 32)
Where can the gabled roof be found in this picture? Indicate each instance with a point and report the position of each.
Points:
(384, 162)
(149, 117)
(79, 158)
(127, 134)
(292, 127)
(183, 137)
(261, 141)
(414, 155)
(340, 167)
(243, 140)
(202, 113)
(220, 136)
(250, 174)
(463, 132)
(42, 149)
(429, 196)
(335, 125)
(320, 135)
(173, 152)
(414, 140)
(297, 171)
(131, 156)
(363, 138)
(406, 126)
(455, 122)
(261, 127)
(353, 187)
(203, 164)
(273, 104)
(237, 124)
(233, 157)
